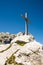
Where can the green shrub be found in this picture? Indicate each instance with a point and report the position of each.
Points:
(11, 60)
(21, 43)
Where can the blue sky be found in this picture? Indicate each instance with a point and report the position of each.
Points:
(11, 21)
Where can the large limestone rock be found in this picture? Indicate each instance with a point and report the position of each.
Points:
(23, 50)
(25, 38)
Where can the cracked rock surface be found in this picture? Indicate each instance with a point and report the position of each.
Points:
(23, 50)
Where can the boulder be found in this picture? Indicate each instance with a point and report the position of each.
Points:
(23, 50)
(25, 38)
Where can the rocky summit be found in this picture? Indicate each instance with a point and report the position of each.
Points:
(21, 50)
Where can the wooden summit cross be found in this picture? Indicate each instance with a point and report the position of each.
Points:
(26, 22)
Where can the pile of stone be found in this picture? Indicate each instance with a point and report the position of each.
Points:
(6, 37)
(22, 50)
